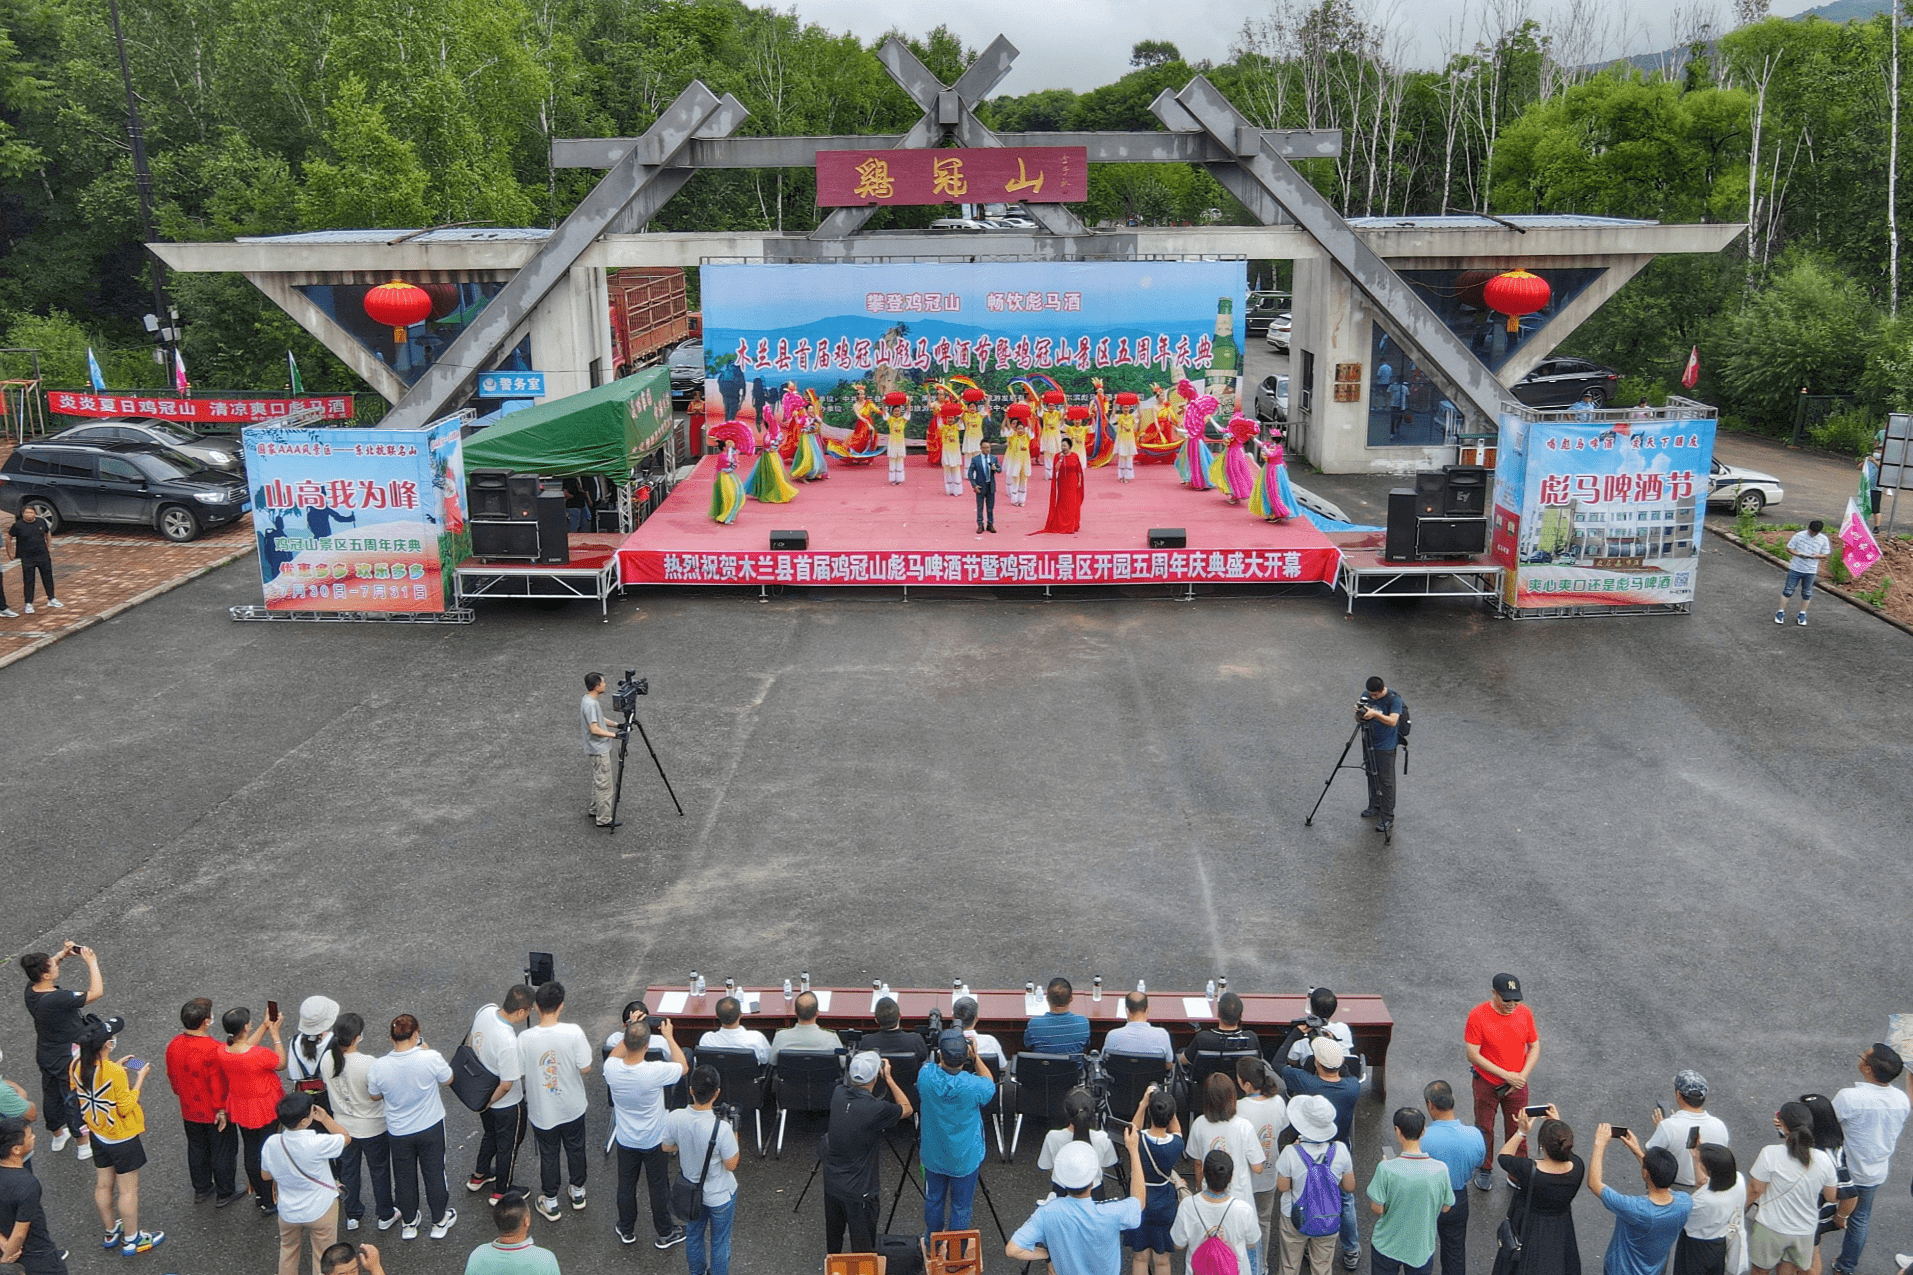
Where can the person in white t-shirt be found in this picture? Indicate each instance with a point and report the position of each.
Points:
(1219, 1128)
(408, 1079)
(1217, 1210)
(637, 1085)
(988, 1048)
(706, 1144)
(556, 1057)
(1806, 551)
(1079, 1108)
(1789, 1180)
(1262, 1106)
(730, 1011)
(1872, 1114)
(1671, 1131)
(363, 1116)
(495, 1040)
(298, 1160)
(1322, 1005)
(1713, 1239)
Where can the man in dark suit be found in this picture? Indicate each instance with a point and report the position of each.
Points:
(982, 471)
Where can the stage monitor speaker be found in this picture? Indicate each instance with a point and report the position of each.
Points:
(485, 494)
(1467, 494)
(501, 539)
(1451, 537)
(521, 491)
(1168, 538)
(798, 539)
(1400, 543)
(1431, 487)
(554, 526)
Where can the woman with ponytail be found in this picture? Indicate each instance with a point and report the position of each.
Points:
(109, 1104)
(1079, 1109)
(1788, 1182)
(362, 1116)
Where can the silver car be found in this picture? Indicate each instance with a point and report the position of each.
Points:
(212, 450)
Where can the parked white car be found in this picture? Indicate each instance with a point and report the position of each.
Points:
(1742, 489)
(1278, 334)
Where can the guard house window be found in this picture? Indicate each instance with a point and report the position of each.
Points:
(1308, 380)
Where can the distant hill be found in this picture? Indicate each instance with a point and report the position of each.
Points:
(1834, 11)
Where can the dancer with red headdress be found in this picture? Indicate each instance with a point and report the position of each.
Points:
(1232, 472)
(1126, 447)
(1065, 493)
(811, 463)
(1192, 459)
(1016, 452)
(1273, 501)
(950, 446)
(1050, 440)
(976, 414)
(727, 493)
(896, 413)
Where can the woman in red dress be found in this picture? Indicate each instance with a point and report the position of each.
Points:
(1066, 493)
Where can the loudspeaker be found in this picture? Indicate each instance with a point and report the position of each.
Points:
(1451, 537)
(485, 494)
(554, 525)
(1467, 495)
(1400, 543)
(1431, 488)
(501, 539)
(521, 493)
(1168, 538)
(798, 539)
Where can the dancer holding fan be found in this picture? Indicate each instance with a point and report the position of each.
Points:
(1273, 501)
(1016, 452)
(1231, 472)
(1192, 459)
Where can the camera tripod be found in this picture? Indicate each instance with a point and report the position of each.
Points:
(904, 1162)
(624, 749)
(1366, 766)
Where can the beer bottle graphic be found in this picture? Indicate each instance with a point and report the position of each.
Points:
(1225, 365)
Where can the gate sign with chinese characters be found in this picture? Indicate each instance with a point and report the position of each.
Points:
(511, 385)
(1026, 174)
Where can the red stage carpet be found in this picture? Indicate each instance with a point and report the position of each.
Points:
(863, 531)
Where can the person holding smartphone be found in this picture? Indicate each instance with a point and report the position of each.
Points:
(109, 1100)
(253, 1090)
(1687, 1126)
(58, 1026)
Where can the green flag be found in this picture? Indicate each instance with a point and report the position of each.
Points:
(292, 370)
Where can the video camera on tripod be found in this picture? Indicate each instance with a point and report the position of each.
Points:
(625, 700)
(625, 697)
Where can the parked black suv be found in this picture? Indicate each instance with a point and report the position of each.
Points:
(1562, 382)
(139, 483)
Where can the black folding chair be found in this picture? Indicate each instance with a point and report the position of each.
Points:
(1125, 1077)
(802, 1080)
(742, 1078)
(903, 1070)
(1036, 1087)
(1204, 1063)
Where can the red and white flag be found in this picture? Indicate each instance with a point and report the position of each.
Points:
(1861, 549)
(1691, 377)
(180, 382)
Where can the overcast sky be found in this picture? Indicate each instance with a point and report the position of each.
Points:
(1080, 44)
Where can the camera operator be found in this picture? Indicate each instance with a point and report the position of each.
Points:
(598, 736)
(1322, 1007)
(1228, 1035)
(1380, 711)
(853, 1146)
(892, 1038)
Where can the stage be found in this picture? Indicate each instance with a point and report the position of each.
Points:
(865, 532)
(591, 573)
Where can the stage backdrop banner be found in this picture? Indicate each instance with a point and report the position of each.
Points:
(1591, 513)
(1047, 325)
(1153, 566)
(357, 519)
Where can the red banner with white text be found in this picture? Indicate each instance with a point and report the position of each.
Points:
(246, 411)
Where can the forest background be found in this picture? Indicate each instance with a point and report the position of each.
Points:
(271, 116)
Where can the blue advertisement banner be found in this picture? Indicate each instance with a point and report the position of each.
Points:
(356, 519)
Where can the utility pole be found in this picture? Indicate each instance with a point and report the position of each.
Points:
(1893, 164)
(163, 322)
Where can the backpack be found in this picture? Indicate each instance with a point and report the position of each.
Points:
(1214, 1256)
(1318, 1207)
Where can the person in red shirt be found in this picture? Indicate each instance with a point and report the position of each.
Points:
(253, 1091)
(194, 1071)
(1503, 1048)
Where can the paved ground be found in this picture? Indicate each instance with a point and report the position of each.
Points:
(1678, 830)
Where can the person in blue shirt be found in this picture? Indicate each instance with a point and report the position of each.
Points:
(1462, 1148)
(1645, 1226)
(1381, 718)
(1073, 1233)
(953, 1094)
(1059, 1031)
(1325, 1079)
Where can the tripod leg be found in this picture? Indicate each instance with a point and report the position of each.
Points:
(1310, 821)
(655, 762)
(816, 1165)
(990, 1204)
(617, 790)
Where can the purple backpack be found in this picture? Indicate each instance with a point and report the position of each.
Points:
(1318, 1208)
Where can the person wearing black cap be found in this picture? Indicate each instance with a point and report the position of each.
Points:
(1503, 1048)
(1381, 716)
(953, 1093)
(23, 1228)
(853, 1150)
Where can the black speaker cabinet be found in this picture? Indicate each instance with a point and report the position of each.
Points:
(1467, 494)
(1400, 544)
(485, 494)
(1431, 488)
(498, 539)
(1451, 537)
(554, 526)
(798, 539)
(1168, 538)
(521, 491)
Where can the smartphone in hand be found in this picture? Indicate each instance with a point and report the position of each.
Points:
(1537, 1111)
(1693, 1137)
(272, 1010)
(133, 1063)
(1620, 1131)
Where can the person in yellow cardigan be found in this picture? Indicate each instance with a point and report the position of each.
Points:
(950, 435)
(109, 1097)
(1016, 452)
(1050, 440)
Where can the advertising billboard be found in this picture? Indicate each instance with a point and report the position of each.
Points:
(357, 519)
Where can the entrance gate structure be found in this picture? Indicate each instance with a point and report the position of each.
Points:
(1361, 286)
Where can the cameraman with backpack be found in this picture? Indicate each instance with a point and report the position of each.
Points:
(1381, 713)
(1312, 1173)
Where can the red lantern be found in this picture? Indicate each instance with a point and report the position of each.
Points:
(398, 305)
(444, 299)
(1516, 293)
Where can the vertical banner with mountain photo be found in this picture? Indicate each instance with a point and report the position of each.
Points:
(998, 326)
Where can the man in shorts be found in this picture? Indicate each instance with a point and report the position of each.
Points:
(1809, 549)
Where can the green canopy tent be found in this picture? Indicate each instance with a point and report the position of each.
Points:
(604, 431)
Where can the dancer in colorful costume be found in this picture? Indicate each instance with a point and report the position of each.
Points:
(933, 438)
(1192, 460)
(767, 482)
(727, 493)
(1274, 500)
(896, 413)
(1016, 452)
(1065, 493)
(1050, 441)
(811, 463)
(1126, 448)
(1077, 429)
(950, 443)
(861, 446)
(976, 414)
(1232, 472)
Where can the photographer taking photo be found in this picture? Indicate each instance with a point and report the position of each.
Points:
(1380, 711)
(598, 737)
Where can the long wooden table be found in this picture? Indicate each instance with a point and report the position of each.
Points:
(1005, 1012)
